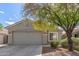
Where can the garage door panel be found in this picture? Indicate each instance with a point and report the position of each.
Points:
(27, 38)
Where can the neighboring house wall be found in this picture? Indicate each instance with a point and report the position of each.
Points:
(3, 36)
(75, 33)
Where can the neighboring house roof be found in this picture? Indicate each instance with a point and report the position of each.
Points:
(76, 30)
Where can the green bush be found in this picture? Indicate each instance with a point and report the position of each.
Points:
(54, 43)
(76, 41)
(76, 48)
(76, 44)
(64, 43)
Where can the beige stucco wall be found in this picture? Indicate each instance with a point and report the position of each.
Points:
(23, 27)
(10, 39)
(45, 38)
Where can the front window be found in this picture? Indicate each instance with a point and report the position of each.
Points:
(53, 35)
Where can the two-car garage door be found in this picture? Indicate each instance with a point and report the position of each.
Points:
(27, 38)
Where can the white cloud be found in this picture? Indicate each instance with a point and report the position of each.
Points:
(2, 12)
(16, 17)
(10, 19)
(10, 23)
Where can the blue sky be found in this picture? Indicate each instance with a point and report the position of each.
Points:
(10, 13)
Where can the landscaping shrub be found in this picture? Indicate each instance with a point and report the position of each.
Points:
(63, 37)
(54, 43)
(64, 43)
(76, 48)
(76, 44)
(76, 41)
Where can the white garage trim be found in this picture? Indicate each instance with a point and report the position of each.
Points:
(37, 34)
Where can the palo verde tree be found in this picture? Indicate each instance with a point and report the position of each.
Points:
(44, 26)
(63, 15)
(38, 24)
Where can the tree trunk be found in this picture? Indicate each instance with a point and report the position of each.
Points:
(70, 42)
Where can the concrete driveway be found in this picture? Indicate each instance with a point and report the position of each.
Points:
(21, 50)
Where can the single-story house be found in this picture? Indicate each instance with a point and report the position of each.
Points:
(3, 36)
(22, 32)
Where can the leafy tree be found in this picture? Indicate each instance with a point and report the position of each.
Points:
(1, 26)
(64, 15)
(44, 26)
(40, 25)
